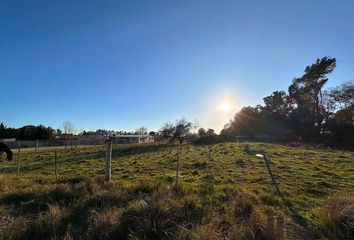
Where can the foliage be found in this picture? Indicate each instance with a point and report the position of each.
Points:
(28, 132)
(179, 130)
(201, 132)
(306, 113)
(207, 137)
(141, 131)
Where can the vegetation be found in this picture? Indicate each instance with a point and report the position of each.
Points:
(306, 113)
(179, 130)
(29, 132)
(224, 192)
(224, 189)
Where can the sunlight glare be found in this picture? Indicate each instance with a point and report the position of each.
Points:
(225, 106)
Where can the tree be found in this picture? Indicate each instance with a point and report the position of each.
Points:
(306, 94)
(210, 132)
(28, 132)
(179, 130)
(328, 105)
(343, 95)
(307, 112)
(167, 130)
(248, 121)
(341, 127)
(142, 130)
(277, 104)
(3, 131)
(201, 132)
(182, 129)
(68, 131)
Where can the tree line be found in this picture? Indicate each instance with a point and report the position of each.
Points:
(28, 132)
(306, 112)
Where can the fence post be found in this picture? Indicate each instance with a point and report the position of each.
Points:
(36, 145)
(271, 175)
(177, 169)
(18, 161)
(55, 165)
(108, 160)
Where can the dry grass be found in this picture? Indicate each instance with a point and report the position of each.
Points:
(335, 218)
(102, 224)
(224, 193)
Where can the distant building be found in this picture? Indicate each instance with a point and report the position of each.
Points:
(125, 139)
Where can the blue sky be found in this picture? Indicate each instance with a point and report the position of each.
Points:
(125, 64)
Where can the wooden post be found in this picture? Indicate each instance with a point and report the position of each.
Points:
(18, 161)
(36, 145)
(108, 160)
(177, 169)
(55, 165)
(271, 174)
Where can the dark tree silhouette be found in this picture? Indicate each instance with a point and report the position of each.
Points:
(307, 113)
(306, 94)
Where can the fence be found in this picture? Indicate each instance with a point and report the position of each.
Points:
(13, 144)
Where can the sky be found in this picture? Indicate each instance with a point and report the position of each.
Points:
(124, 64)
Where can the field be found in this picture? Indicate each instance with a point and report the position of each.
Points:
(224, 192)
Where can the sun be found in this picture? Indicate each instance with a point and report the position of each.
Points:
(225, 106)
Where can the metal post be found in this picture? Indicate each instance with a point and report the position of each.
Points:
(108, 160)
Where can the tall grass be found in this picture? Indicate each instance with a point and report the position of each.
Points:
(92, 209)
(335, 218)
(224, 193)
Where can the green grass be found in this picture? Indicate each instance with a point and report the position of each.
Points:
(225, 192)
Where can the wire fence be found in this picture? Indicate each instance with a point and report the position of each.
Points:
(15, 144)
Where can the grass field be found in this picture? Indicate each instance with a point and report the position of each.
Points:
(225, 193)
